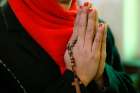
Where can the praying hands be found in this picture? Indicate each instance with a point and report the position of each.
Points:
(90, 49)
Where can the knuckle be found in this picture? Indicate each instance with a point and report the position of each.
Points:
(90, 29)
(82, 24)
(89, 39)
(97, 40)
(91, 15)
(75, 25)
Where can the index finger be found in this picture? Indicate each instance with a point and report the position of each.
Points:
(82, 26)
(75, 28)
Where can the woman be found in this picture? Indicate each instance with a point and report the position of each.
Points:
(34, 35)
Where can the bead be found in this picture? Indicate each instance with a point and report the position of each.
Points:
(71, 58)
(69, 51)
(72, 64)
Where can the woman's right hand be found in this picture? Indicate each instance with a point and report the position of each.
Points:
(90, 47)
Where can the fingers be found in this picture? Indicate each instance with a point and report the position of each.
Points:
(75, 34)
(91, 28)
(82, 26)
(96, 47)
(103, 56)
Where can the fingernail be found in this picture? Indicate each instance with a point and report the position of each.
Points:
(89, 10)
(100, 24)
(81, 7)
(86, 3)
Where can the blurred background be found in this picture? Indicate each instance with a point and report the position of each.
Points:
(123, 17)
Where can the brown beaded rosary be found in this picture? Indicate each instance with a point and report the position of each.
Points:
(76, 81)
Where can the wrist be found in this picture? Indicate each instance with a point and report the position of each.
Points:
(84, 81)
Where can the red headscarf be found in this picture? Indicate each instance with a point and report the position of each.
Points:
(48, 24)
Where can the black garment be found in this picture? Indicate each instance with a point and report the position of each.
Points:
(32, 69)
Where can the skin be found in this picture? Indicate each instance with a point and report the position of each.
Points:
(90, 49)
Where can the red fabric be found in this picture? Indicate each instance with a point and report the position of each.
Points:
(48, 24)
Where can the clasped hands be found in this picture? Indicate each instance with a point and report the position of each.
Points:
(90, 49)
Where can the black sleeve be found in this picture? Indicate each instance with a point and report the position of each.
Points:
(63, 84)
(9, 83)
(3, 24)
(116, 80)
(60, 84)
